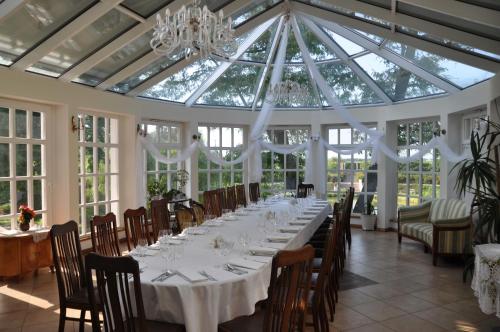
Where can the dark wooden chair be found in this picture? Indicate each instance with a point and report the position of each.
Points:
(68, 263)
(185, 216)
(222, 197)
(231, 198)
(104, 235)
(160, 217)
(113, 286)
(241, 196)
(287, 295)
(254, 191)
(198, 211)
(136, 227)
(304, 190)
(212, 203)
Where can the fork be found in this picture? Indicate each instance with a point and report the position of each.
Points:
(206, 275)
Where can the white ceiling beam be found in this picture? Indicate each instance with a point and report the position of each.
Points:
(433, 29)
(345, 58)
(461, 10)
(8, 6)
(219, 71)
(270, 57)
(419, 43)
(242, 29)
(131, 13)
(75, 26)
(384, 53)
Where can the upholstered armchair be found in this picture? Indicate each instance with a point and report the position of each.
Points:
(443, 225)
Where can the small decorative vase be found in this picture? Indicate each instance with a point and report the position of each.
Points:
(25, 226)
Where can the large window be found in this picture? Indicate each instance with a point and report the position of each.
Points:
(98, 167)
(227, 142)
(352, 170)
(418, 181)
(167, 137)
(282, 173)
(23, 166)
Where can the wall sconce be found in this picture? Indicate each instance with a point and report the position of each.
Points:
(438, 132)
(197, 137)
(76, 123)
(140, 131)
(315, 138)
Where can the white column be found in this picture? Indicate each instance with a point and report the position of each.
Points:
(191, 164)
(452, 123)
(132, 193)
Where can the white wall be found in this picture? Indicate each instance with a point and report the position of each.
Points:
(66, 99)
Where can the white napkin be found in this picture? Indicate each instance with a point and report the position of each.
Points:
(197, 231)
(262, 251)
(214, 223)
(241, 213)
(180, 237)
(290, 229)
(154, 246)
(241, 262)
(299, 222)
(279, 238)
(174, 242)
(191, 275)
(229, 218)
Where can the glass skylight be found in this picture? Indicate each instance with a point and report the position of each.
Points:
(348, 46)
(259, 50)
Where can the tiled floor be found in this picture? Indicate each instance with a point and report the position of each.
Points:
(409, 295)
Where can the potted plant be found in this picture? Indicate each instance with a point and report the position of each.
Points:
(368, 218)
(25, 216)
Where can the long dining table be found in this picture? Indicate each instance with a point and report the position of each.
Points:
(213, 273)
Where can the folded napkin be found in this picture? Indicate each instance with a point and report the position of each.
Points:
(299, 222)
(154, 246)
(146, 252)
(180, 237)
(174, 242)
(229, 218)
(218, 273)
(262, 251)
(241, 262)
(191, 275)
(290, 229)
(279, 238)
(197, 231)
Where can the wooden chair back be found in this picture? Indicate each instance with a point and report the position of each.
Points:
(160, 216)
(231, 198)
(114, 277)
(184, 216)
(68, 262)
(241, 196)
(104, 234)
(212, 203)
(222, 197)
(254, 191)
(288, 290)
(304, 190)
(198, 211)
(136, 226)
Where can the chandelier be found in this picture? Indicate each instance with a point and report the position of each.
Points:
(196, 30)
(287, 93)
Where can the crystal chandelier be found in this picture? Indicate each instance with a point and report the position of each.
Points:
(196, 30)
(287, 93)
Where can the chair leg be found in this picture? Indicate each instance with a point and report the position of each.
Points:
(399, 238)
(82, 320)
(426, 250)
(331, 302)
(434, 258)
(62, 318)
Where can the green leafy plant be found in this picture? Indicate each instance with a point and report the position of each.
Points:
(369, 209)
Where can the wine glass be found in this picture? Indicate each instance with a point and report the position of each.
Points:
(142, 243)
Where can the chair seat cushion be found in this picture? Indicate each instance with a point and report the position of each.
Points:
(421, 231)
(251, 323)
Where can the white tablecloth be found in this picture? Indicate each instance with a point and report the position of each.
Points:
(38, 234)
(202, 306)
(486, 279)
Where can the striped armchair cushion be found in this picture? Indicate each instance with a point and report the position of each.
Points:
(421, 231)
(419, 214)
(448, 209)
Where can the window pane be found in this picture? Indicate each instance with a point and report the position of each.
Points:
(291, 161)
(89, 128)
(101, 130)
(21, 160)
(226, 137)
(4, 122)
(214, 136)
(5, 198)
(4, 160)
(279, 161)
(214, 180)
(402, 135)
(21, 119)
(202, 181)
(114, 188)
(37, 160)
(36, 124)
(89, 190)
(89, 160)
(101, 188)
(37, 194)
(21, 193)
(113, 160)
(291, 180)
(345, 136)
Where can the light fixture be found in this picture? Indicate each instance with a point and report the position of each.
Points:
(287, 93)
(76, 123)
(196, 30)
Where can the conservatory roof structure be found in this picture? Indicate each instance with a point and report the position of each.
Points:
(369, 52)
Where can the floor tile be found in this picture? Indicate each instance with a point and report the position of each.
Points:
(409, 303)
(378, 310)
(411, 323)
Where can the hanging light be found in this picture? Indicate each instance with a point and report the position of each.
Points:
(196, 30)
(287, 93)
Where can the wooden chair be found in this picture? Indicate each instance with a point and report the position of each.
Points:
(160, 216)
(231, 198)
(287, 295)
(67, 255)
(184, 216)
(198, 211)
(254, 191)
(104, 235)
(212, 203)
(113, 276)
(241, 196)
(136, 226)
(222, 197)
(304, 190)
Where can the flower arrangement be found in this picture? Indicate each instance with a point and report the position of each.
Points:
(25, 215)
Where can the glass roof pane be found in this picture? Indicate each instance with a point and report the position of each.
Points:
(348, 87)
(236, 87)
(447, 42)
(298, 73)
(458, 73)
(398, 83)
(348, 46)
(34, 21)
(181, 85)
(259, 50)
(118, 60)
(293, 54)
(253, 9)
(317, 49)
(374, 38)
(146, 73)
(145, 8)
(74, 49)
(492, 4)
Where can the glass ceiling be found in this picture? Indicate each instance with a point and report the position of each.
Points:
(357, 70)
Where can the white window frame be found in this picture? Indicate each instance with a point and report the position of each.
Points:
(12, 141)
(469, 122)
(112, 177)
